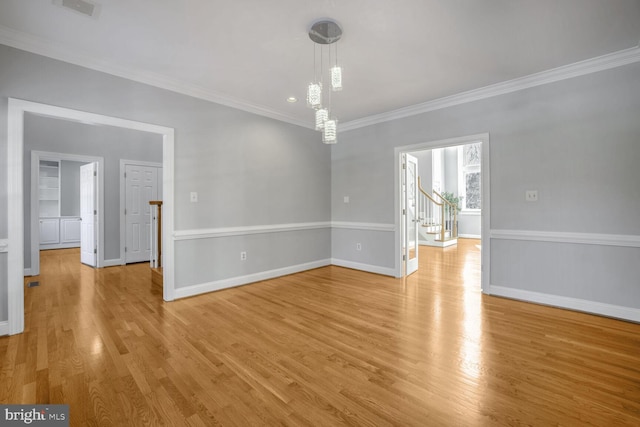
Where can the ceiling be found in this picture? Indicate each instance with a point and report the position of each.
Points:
(253, 54)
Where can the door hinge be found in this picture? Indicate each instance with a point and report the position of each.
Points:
(125, 249)
(404, 212)
(404, 166)
(125, 174)
(95, 251)
(95, 173)
(95, 212)
(404, 257)
(125, 211)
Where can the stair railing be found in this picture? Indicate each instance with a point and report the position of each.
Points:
(430, 212)
(450, 215)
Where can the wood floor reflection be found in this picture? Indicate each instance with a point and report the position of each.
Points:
(325, 347)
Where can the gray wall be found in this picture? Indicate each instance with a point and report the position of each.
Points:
(247, 169)
(111, 143)
(70, 188)
(576, 141)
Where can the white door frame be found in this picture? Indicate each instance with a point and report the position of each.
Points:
(123, 202)
(36, 156)
(15, 242)
(486, 199)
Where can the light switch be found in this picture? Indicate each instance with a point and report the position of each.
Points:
(346, 199)
(194, 197)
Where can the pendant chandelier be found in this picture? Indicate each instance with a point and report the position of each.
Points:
(325, 33)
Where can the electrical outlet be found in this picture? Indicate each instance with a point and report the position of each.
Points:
(358, 246)
(243, 256)
(194, 197)
(531, 195)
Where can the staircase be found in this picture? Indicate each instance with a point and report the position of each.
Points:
(438, 219)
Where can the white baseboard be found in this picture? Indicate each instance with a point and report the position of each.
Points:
(112, 262)
(386, 271)
(469, 236)
(610, 310)
(4, 328)
(217, 285)
(27, 272)
(60, 246)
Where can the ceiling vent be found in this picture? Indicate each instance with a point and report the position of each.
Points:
(80, 6)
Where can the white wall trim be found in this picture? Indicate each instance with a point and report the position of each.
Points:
(209, 233)
(369, 226)
(617, 311)
(4, 328)
(4, 245)
(27, 272)
(217, 285)
(386, 271)
(112, 262)
(15, 145)
(469, 236)
(600, 63)
(40, 46)
(567, 237)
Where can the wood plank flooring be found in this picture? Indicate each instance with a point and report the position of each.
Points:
(327, 347)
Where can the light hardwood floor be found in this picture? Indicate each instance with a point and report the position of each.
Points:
(321, 348)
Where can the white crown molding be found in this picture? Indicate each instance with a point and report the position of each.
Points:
(610, 310)
(210, 233)
(588, 66)
(369, 226)
(632, 241)
(40, 46)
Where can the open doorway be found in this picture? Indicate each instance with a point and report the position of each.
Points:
(471, 182)
(17, 113)
(54, 210)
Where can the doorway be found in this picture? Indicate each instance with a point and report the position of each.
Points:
(402, 219)
(140, 183)
(15, 248)
(55, 222)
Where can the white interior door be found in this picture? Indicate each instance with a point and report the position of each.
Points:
(141, 186)
(410, 212)
(88, 214)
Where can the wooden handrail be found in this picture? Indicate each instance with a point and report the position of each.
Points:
(452, 205)
(158, 203)
(427, 194)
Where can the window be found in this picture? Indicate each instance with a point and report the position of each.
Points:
(469, 177)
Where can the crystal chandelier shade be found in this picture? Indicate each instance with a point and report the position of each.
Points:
(325, 33)
(314, 95)
(330, 132)
(322, 115)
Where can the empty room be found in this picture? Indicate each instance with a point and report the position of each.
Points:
(320, 213)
